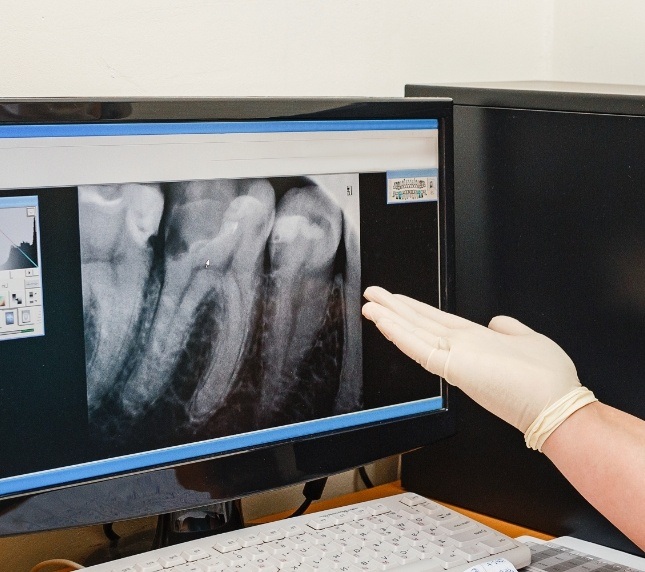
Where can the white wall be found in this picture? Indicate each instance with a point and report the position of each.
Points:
(600, 41)
(265, 47)
(310, 47)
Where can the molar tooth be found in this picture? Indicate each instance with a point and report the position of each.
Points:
(116, 224)
(240, 294)
(303, 245)
(216, 221)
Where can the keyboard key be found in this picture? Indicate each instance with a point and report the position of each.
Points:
(470, 536)
(148, 566)
(301, 540)
(250, 540)
(211, 565)
(320, 537)
(194, 554)
(376, 522)
(348, 542)
(408, 513)
(343, 517)
(317, 564)
(433, 531)
(233, 558)
(283, 560)
(292, 530)
(450, 558)
(262, 567)
(406, 526)
(430, 507)
(443, 516)
(472, 552)
(292, 567)
(496, 544)
(262, 563)
(428, 548)
(227, 545)
(392, 518)
(432, 565)
(190, 567)
(378, 508)
(360, 512)
(409, 555)
(368, 565)
(376, 534)
(411, 499)
(328, 547)
(339, 558)
(457, 525)
(357, 526)
(340, 531)
(266, 567)
(361, 552)
(389, 560)
(171, 560)
(379, 547)
(423, 521)
(308, 553)
(442, 544)
(322, 522)
(255, 552)
(279, 546)
(399, 541)
(271, 534)
(416, 537)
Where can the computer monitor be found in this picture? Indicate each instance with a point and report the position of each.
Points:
(180, 293)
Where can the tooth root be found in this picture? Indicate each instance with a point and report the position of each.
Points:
(303, 246)
(116, 223)
(350, 392)
(216, 221)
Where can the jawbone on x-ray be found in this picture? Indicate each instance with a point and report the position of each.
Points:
(213, 307)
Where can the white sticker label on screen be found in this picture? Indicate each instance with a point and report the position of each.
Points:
(412, 187)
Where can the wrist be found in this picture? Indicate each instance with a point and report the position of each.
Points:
(555, 414)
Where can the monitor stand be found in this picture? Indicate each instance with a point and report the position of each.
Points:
(176, 527)
(172, 528)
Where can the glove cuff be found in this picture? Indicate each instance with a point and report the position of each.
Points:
(553, 416)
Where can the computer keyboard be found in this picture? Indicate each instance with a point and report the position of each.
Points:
(403, 532)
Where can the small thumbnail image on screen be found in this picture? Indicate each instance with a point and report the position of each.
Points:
(20, 281)
(217, 307)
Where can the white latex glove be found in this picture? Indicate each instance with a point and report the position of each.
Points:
(521, 376)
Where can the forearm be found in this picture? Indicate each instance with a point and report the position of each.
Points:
(601, 451)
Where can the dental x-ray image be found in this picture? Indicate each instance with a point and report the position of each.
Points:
(220, 306)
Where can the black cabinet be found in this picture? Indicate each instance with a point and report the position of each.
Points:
(550, 229)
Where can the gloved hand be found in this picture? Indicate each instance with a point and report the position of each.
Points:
(521, 376)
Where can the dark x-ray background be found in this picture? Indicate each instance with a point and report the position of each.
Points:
(218, 307)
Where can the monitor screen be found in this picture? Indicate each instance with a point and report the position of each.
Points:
(177, 290)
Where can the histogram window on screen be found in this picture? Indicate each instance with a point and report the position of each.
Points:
(21, 309)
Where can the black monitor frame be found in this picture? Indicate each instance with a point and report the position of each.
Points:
(239, 473)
